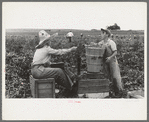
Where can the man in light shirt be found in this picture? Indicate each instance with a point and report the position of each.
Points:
(43, 55)
(111, 63)
(81, 35)
(69, 35)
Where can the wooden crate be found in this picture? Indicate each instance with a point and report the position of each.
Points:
(42, 88)
(93, 86)
(90, 75)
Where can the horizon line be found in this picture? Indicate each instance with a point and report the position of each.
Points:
(64, 29)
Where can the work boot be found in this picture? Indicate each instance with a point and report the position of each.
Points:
(119, 95)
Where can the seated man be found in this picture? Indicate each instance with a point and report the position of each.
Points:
(43, 55)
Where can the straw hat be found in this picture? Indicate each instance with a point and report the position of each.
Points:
(107, 31)
(43, 36)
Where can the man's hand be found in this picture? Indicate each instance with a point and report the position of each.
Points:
(92, 44)
(73, 48)
(108, 59)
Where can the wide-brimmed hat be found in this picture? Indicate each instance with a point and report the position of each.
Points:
(106, 30)
(43, 36)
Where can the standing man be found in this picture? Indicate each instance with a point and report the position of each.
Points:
(69, 35)
(81, 35)
(111, 63)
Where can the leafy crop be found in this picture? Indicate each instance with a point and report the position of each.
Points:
(20, 51)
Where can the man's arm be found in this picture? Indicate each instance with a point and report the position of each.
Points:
(60, 51)
(96, 44)
(114, 49)
(93, 44)
(112, 56)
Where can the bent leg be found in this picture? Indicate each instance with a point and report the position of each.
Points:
(56, 73)
(59, 76)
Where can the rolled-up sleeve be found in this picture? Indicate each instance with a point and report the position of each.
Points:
(58, 51)
(113, 45)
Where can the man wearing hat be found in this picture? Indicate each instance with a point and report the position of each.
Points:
(69, 35)
(43, 55)
(81, 35)
(111, 63)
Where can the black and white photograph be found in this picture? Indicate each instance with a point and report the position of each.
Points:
(89, 57)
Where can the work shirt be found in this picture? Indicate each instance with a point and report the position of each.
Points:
(70, 34)
(43, 55)
(109, 43)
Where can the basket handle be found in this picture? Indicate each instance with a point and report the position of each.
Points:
(100, 56)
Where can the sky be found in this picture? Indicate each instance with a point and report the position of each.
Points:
(74, 15)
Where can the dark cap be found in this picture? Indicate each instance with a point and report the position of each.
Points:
(107, 31)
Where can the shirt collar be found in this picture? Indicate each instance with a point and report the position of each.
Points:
(107, 40)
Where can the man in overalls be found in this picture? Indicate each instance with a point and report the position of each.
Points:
(111, 63)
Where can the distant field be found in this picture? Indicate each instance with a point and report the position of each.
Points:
(63, 32)
(22, 32)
